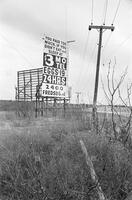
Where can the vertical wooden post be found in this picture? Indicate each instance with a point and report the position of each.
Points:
(36, 106)
(24, 86)
(18, 86)
(64, 107)
(54, 107)
(46, 106)
(38, 92)
(38, 77)
(16, 93)
(42, 107)
(94, 177)
(31, 86)
(16, 99)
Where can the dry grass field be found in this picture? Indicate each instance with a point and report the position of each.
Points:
(41, 158)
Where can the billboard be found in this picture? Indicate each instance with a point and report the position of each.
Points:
(54, 68)
(27, 80)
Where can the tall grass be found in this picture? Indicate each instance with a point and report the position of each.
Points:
(44, 160)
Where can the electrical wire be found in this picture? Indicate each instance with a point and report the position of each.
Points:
(107, 41)
(66, 24)
(123, 42)
(118, 47)
(84, 77)
(18, 51)
(105, 45)
(91, 57)
(83, 58)
(116, 12)
(86, 45)
(92, 11)
(105, 12)
(83, 69)
(92, 54)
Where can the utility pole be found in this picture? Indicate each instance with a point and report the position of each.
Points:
(78, 95)
(100, 29)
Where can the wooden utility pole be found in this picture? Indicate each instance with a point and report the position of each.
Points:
(100, 29)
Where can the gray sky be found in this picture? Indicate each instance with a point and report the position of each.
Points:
(24, 22)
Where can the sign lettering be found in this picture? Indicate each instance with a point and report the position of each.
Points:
(54, 68)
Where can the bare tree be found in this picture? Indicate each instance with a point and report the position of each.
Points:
(112, 93)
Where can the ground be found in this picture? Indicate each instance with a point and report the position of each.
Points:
(50, 146)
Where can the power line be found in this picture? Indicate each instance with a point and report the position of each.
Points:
(123, 42)
(83, 58)
(86, 45)
(105, 45)
(118, 47)
(91, 58)
(107, 41)
(116, 11)
(105, 12)
(66, 23)
(83, 75)
(92, 54)
(18, 51)
(92, 11)
(116, 50)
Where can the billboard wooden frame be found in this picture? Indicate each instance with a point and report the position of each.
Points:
(29, 83)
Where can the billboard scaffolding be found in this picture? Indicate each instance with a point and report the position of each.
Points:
(27, 81)
(46, 86)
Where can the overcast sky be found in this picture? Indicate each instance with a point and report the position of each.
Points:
(24, 22)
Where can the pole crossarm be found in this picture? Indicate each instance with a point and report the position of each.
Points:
(101, 27)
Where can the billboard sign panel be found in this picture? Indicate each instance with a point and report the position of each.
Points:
(54, 68)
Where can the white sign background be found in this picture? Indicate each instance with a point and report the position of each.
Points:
(54, 68)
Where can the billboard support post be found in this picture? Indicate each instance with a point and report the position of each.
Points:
(46, 106)
(36, 110)
(54, 105)
(64, 107)
(42, 101)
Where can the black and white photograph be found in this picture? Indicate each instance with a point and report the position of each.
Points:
(65, 99)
